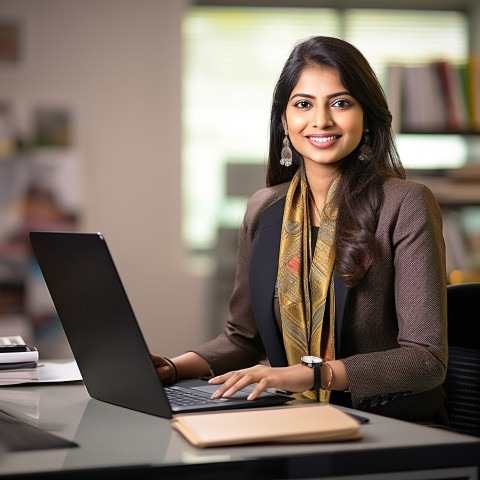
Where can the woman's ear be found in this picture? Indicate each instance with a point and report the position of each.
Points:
(365, 123)
(284, 124)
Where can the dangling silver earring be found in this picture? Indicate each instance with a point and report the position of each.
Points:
(366, 152)
(286, 156)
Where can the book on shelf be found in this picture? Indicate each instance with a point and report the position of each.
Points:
(18, 361)
(394, 93)
(473, 76)
(455, 95)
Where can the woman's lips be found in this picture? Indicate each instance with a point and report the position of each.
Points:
(322, 141)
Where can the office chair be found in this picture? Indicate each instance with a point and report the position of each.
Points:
(462, 384)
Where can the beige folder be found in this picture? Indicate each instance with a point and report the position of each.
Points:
(290, 424)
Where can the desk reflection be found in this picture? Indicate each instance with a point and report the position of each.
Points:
(114, 436)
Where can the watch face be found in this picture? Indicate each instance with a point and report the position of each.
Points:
(310, 360)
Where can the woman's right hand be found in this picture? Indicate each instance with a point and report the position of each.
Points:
(187, 365)
(164, 369)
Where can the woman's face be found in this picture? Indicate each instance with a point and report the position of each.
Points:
(324, 122)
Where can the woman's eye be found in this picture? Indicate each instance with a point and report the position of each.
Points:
(303, 104)
(342, 103)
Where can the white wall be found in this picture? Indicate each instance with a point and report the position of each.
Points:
(117, 64)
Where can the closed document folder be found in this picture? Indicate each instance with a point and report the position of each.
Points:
(293, 424)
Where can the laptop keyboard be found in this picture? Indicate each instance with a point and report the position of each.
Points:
(185, 396)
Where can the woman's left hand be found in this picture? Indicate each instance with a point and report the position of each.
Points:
(296, 378)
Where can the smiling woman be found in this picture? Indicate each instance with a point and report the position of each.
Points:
(341, 280)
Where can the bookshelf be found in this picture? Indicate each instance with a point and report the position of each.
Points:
(442, 98)
(39, 190)
(436, 97)
(457, 191)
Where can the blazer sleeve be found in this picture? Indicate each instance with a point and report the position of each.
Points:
(239, 345)
(399, 316)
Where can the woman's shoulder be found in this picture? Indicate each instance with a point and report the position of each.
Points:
(262, 199)
(265, 195)
(410, 195)
(401, 188)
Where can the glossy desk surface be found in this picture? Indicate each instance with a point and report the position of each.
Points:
(121, 443)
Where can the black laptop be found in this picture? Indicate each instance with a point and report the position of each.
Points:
(105, 337)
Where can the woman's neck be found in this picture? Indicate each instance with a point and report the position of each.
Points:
(319, 182)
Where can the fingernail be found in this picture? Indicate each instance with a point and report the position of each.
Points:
(250, 396)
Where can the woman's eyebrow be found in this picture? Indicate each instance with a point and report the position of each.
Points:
(338, 94)
(305, 95)
(332, 95)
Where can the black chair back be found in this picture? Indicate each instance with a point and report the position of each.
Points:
(462, 384)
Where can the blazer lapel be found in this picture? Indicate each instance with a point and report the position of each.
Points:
(262, 277)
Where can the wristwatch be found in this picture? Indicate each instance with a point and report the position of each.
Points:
(316, 363)
(310, 361)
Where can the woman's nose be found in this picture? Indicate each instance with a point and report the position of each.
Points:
(322, 117)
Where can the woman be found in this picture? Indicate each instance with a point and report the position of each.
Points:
(341, 271)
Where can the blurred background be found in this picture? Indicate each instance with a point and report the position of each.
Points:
(147, 120)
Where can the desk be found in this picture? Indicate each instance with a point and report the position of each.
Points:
(120, 443)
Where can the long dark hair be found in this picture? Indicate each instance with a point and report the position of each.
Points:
(359, 195)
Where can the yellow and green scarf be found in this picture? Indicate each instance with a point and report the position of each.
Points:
(304, 282)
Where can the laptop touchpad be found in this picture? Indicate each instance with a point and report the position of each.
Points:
(244, 393)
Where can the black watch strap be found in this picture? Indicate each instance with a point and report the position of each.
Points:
(317, 379)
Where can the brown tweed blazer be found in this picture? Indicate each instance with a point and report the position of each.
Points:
(391, 327)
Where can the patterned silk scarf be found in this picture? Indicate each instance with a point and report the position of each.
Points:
(304, 282)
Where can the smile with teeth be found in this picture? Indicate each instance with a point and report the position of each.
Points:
(323, 139)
